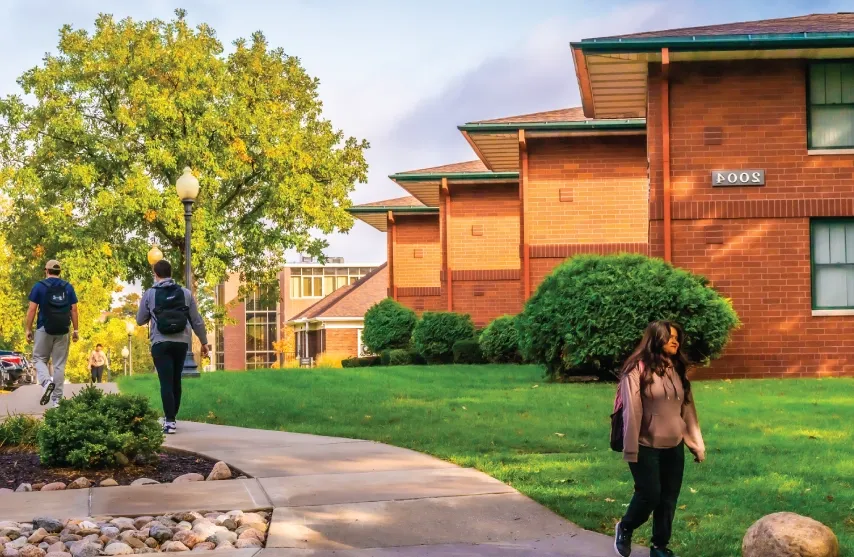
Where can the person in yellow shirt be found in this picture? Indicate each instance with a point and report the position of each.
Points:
(97, 363)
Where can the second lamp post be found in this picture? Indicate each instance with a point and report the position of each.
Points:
(187, 187)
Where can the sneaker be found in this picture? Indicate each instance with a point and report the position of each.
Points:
(660, 552)
(623, 541)
(47, 390)
(53, 404)
(170, 428)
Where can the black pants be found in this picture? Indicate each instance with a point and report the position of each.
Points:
(658, 481)
(169, 362)
(97, 374)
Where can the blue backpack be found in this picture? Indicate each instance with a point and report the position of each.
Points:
(56, 308)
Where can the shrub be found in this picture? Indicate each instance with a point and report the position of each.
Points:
(330, 359)
(388, 324)
(92, 429)
(588, 315)
(399, 357)
(367, 361)
(499, 341)
(467, 351)
(19, 431)
(416, 358)
(435, 334)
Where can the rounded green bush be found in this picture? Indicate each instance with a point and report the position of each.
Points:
(499, 341)
(467, 351)
(388, 324)
(92, 429)
(590, 312)
(435, 334)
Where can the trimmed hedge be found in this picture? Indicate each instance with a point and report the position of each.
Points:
(468, 351)
(499, 341)
(588, 315)
(388, 324)
(435, 334)
(367, 361)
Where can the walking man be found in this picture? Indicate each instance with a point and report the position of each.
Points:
(56, 302)
(176, 316)
(97, 363)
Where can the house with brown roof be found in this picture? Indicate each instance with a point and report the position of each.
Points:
(727, 150)
(335, 323)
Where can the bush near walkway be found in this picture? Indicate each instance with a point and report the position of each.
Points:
(588, 315)
(499, 341)
(388, 324)
(437, 331)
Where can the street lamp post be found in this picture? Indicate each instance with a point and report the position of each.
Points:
(187, 188)
(130, 326)
(125, 354)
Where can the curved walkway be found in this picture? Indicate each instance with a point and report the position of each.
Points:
(339, 497)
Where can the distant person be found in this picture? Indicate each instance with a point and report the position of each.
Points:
(56, 302)
(659, 419)
(176, 316)
(97, 363)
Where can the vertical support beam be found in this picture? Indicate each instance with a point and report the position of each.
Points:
(392, 240)
(446, 256)
(665, 151)
(523, 229)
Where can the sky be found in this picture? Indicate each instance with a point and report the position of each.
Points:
(401, 73)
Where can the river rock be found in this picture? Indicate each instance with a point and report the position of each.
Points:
(38, 486)
(24, 488)
(121, 460)
(187, 537)
(160, 533)
(252, 534)
(248, 544)
(58, 547)
(204, 546)
(789, 535)
(220, 471)
(65, 538)
(57, 554)
(187, 478)
(38, 536)
(31, 551)
(173, 547)
(55, 486)
(135, 543)
(184, 526)
(109, 482)
(123, 524)
(118, 548)
(80, 483)
(250, 518)
(142, 521)
(144, 481)
(85, 548)
(225, 546)
(225, 536)
(142, 550)
(17, 543)
(50, 525)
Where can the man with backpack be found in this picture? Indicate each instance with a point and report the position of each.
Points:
(176, 316)
(56, 302)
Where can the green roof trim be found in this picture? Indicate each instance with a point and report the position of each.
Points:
(432, 176)
(393, 209)
(602, 125)
(718, 42)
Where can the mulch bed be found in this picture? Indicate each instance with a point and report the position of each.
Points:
(17, 467)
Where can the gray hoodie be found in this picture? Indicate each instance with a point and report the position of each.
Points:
(195, 323)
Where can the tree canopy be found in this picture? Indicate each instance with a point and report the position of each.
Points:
(91, 152)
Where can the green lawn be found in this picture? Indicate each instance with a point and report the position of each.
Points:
(773, 445)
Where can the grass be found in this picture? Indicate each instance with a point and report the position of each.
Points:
(773, 445)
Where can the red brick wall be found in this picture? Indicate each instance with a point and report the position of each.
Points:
(486, 300)
(417, 251)
(752, 242)
(484, 227)
(234, 338)
(341, 341)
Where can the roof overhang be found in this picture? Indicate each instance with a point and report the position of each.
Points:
(377, 216)
(425, 187)
(497, 144)
(612, 73)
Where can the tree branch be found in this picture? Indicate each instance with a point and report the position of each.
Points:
(238, 188)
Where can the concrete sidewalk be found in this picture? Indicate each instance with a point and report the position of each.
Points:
(25, 400)
(340, 497)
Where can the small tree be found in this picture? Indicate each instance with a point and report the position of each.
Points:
(435, 334)
(388, 324)
(587, 316)
(499, 341)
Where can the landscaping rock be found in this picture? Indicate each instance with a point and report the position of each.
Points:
(38, 486)
(85, 549)
(144, 481)
(248, 544)
(187, 478)
(205, 529)
(123, 524)
(220, 471)
(31, 551)
(80, 483)
(118, 548)
(17, 543)
(44, 546)
(166, 521)
(250, 518)
(110, 532)
(57, 554)
(187, 537)
(24, 488)
(252, 534)
(55, 486)
(789, 535)
(205, 546)
(58, 547)
(51, 539)
(151, 542)
(184, 526)
(10, 552)
(160, 532)
(109, 482)
(11, 532)
(173, 547)
(121, 460)
(144, 550)
(222, 537)
(70, 538)
(38, 536)
(50, 525)
(224, 546)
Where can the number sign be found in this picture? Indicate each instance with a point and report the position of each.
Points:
(738, 178)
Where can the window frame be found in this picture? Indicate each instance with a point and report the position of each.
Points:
(813, 265)
(809, 104)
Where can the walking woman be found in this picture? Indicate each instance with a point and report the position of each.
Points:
(659, 420)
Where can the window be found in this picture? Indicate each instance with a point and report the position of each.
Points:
(832, 264)
(317, 282)
(831, 105)
(262, 326)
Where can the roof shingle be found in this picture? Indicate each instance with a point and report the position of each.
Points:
(469, 166)
(813, 23)
(352, 300)
(574, 114)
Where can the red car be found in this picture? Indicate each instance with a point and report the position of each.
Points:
(15, 370)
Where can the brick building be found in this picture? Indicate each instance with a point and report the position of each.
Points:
(727, 150)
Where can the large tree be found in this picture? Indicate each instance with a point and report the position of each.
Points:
(91, 153)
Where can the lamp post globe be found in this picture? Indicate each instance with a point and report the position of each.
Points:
(187, 188)
(125, 354)
(154, 255)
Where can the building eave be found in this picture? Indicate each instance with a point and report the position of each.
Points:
(717, 42)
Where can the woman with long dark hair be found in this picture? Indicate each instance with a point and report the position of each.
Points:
(659, 420)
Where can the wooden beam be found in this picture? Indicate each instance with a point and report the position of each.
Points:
(477, 150)
(583, 75)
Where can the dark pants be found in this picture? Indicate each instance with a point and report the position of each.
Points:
(169, 362)
(658, 480)
(97, 374)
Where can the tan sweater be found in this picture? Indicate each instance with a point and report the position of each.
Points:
(661, 418)
(97, 359)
